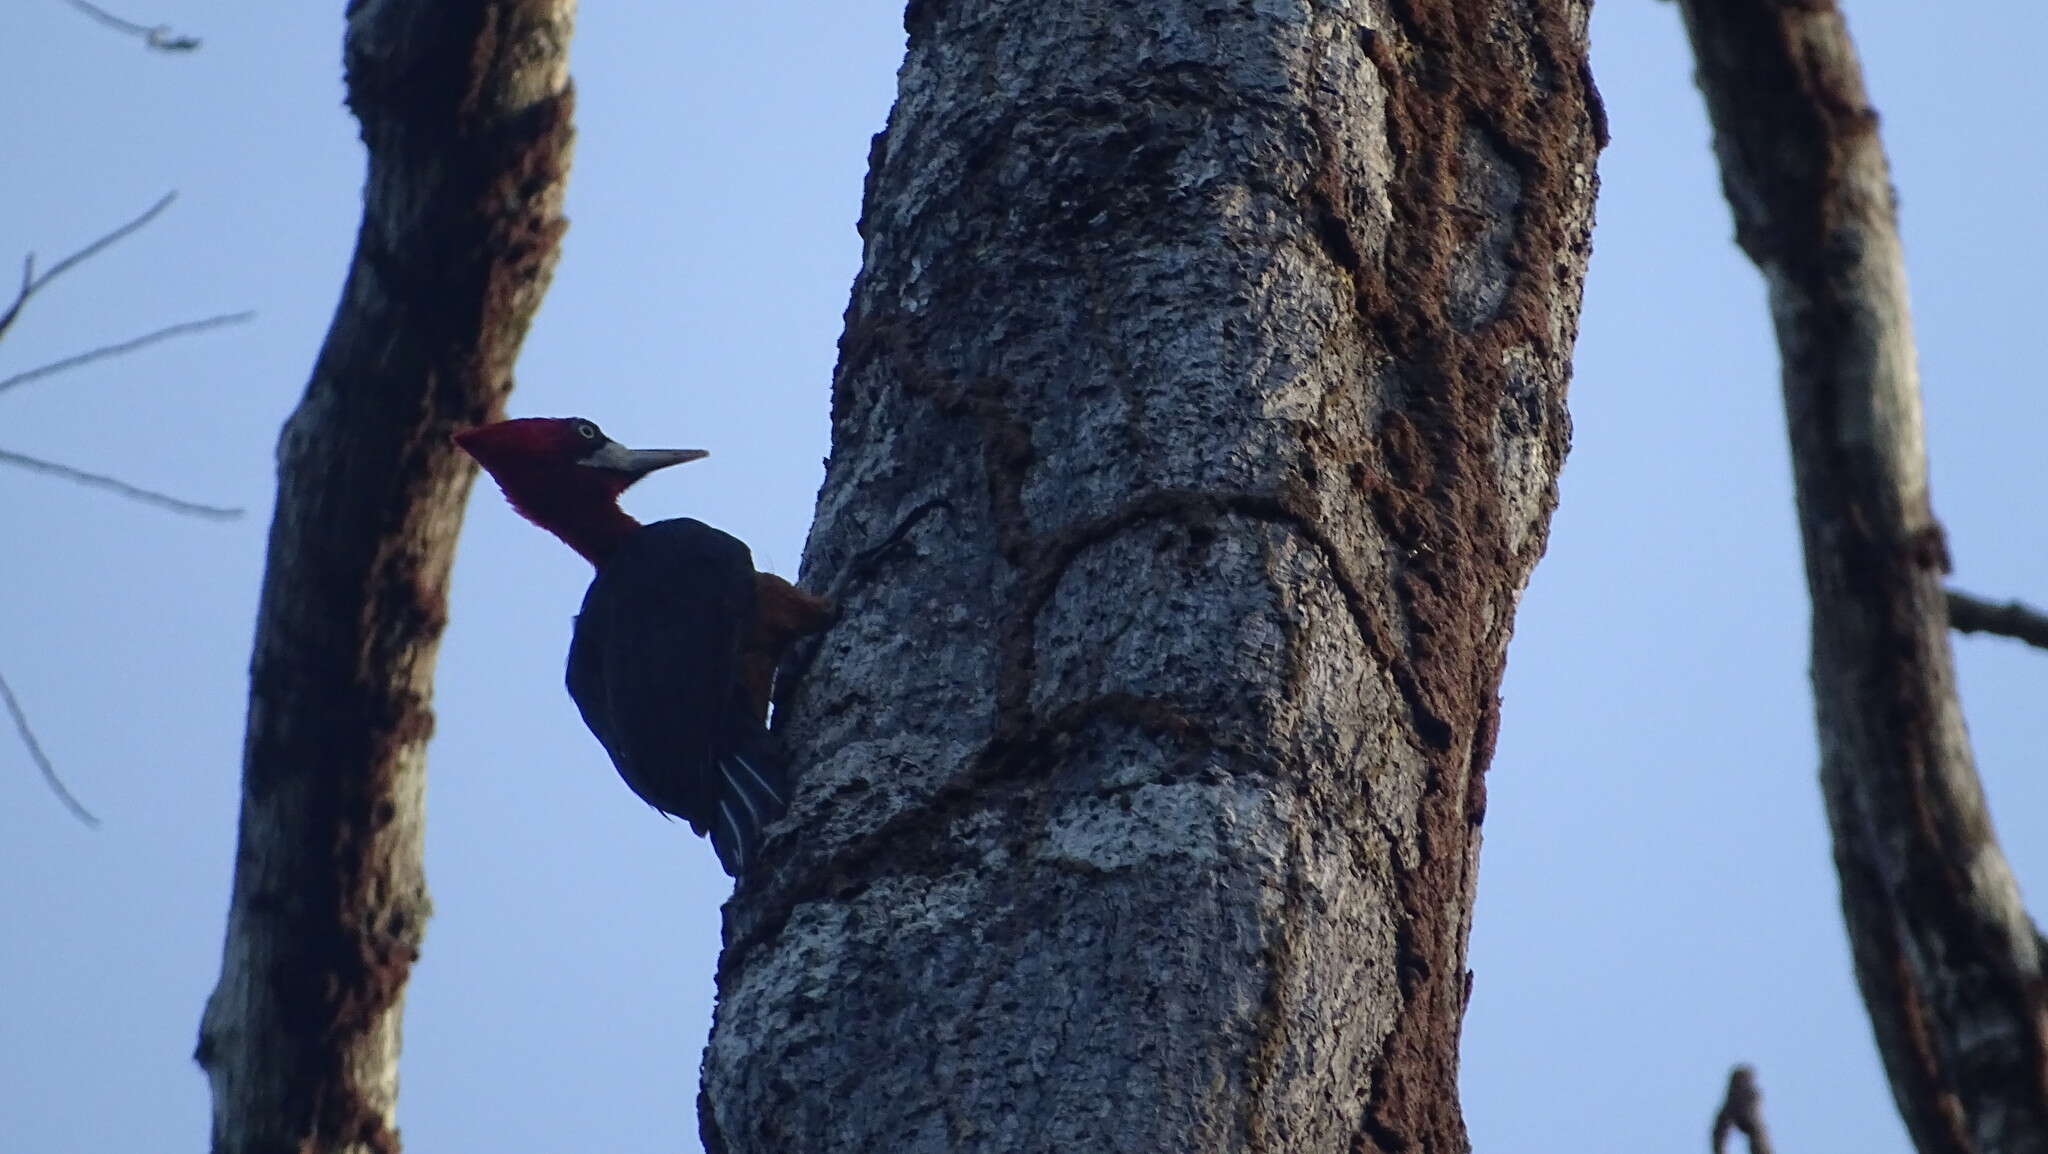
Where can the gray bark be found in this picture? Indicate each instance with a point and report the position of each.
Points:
(465, 110)
(1947, 960)
(1195, 431)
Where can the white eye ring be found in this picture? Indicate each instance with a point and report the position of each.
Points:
(586, 430)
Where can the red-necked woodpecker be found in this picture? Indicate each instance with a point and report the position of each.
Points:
(674, 652)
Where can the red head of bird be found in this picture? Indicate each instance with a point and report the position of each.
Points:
(565, 475)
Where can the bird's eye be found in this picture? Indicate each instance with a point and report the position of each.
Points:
(586, 430)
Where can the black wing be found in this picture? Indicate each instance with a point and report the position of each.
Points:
(654, 668)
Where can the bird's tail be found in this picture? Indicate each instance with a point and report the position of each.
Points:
(754, 791)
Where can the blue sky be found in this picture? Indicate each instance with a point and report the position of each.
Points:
(1656, 899)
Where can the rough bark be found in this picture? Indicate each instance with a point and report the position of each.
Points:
(1195, 430)
(465, 111)
(1948, 962)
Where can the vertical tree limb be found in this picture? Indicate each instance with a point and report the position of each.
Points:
(465, 111)
(1227, 345)
(1947, 959)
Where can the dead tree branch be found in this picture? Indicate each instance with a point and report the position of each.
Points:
(32, 282)
(2014, 619)
(1742, 1108)
(122, 348)
(465, 111)
(42, 760)
(118, 486)
(1948, 962)
(158, 37)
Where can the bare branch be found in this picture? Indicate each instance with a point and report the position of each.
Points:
(42, 760)
(30, 282)
(466, 111)
(2014, 619)
(159, 37)
(116, 485)
(1948, 961)
(1742, 1109)
(121, 348)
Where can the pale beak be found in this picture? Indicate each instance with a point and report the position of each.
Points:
(638, 462)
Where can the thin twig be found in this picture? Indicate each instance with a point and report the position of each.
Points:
(42, 760)
(116, 485)
(1742, 1109)
(30, 282)
(120, 348)
(159, 37)
(2014, 619)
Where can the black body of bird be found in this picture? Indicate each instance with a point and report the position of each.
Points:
(654, 666)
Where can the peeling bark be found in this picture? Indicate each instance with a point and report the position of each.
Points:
(1196, 428)
(1948, 962)
(465, 110)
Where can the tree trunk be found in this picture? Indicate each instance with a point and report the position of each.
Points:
(1195, 431)
(1947, 959)
(465, 109)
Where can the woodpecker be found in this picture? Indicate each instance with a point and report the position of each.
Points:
(674, 652)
